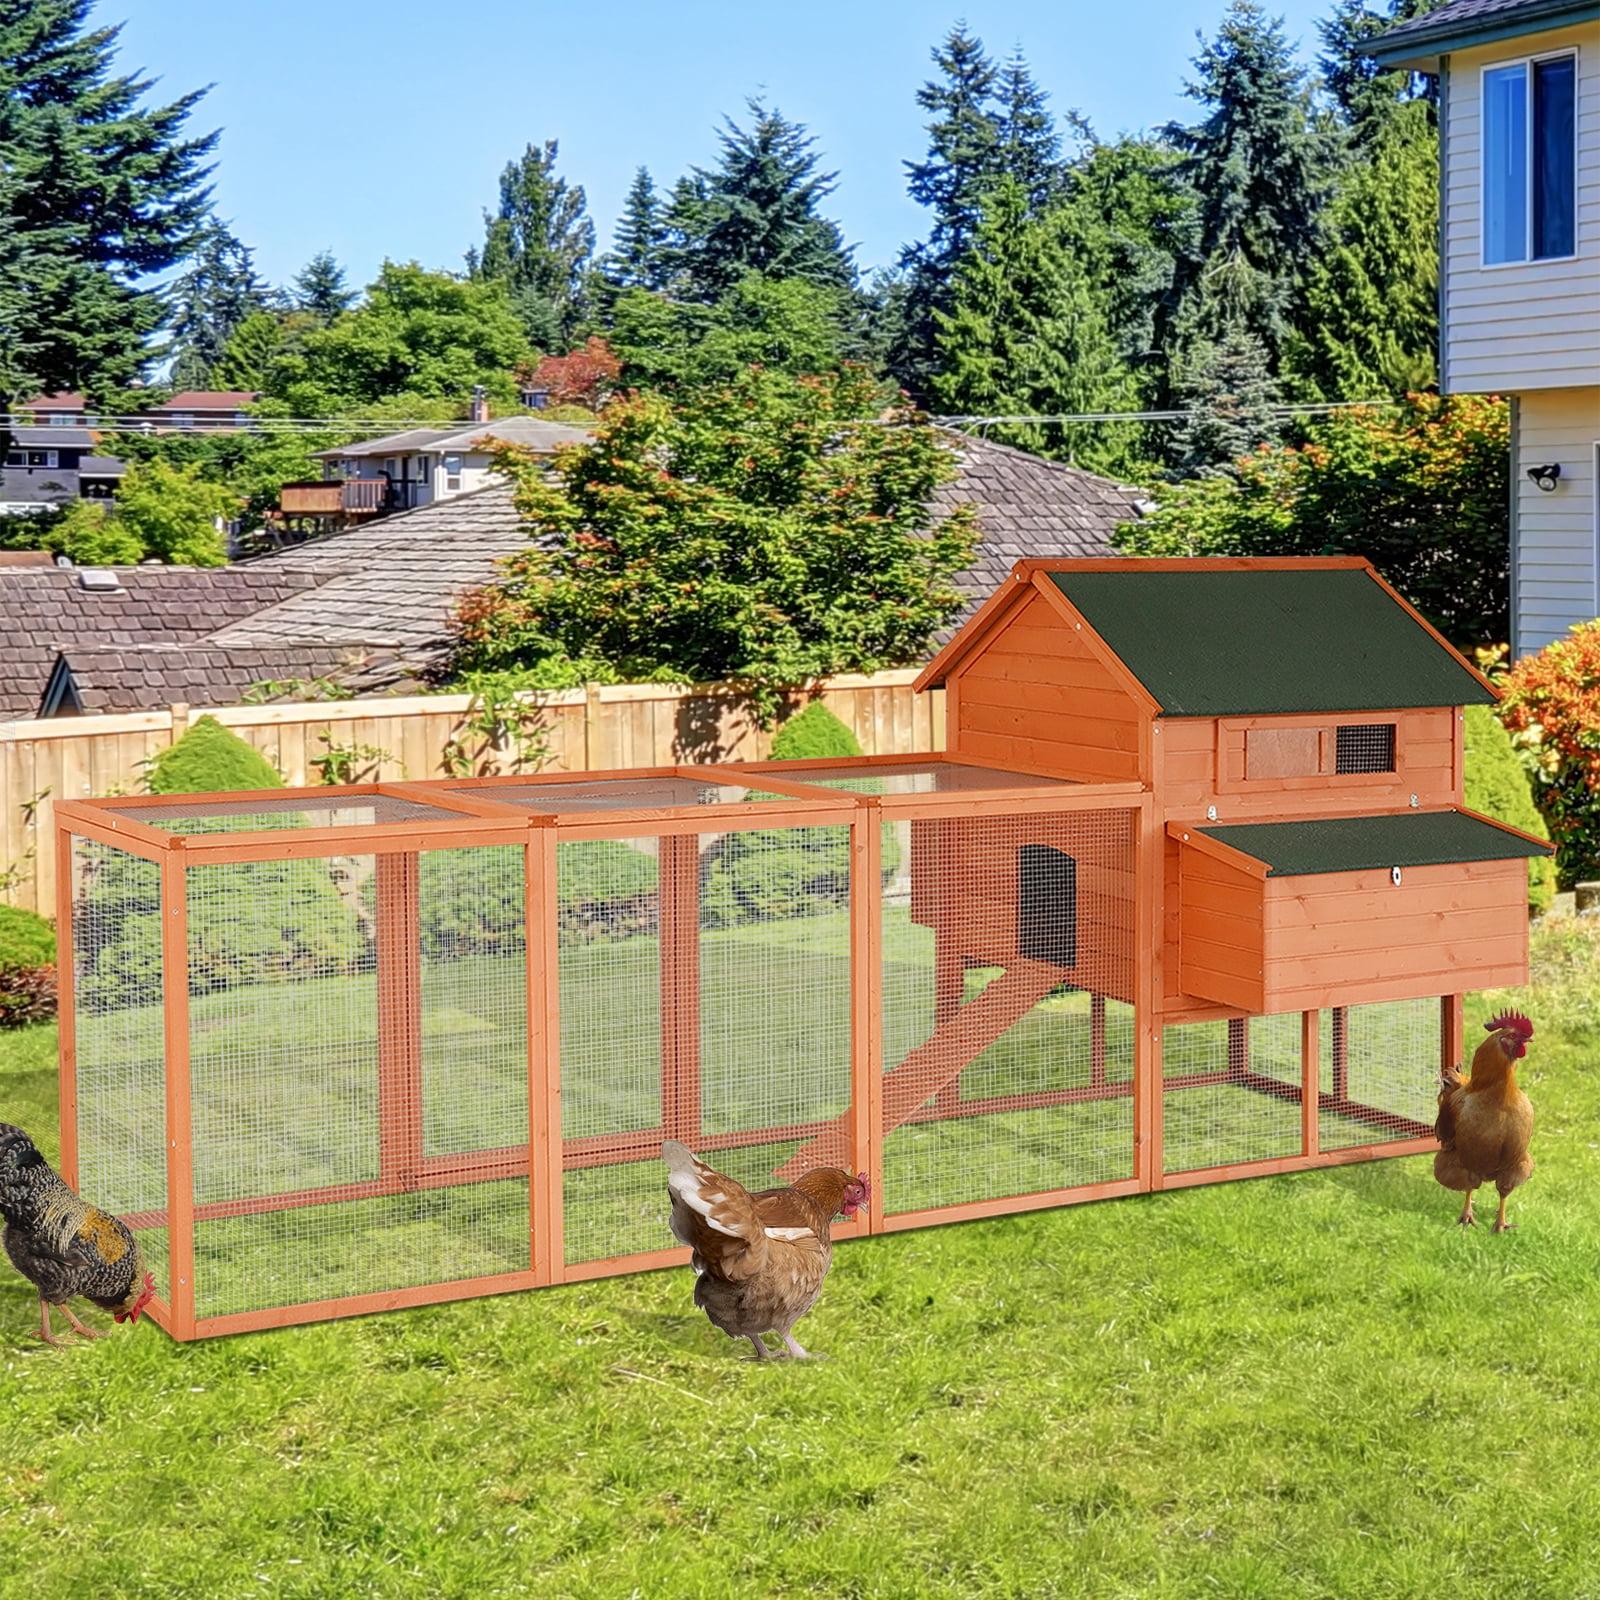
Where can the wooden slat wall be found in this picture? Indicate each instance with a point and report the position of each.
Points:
(612, 726)
(1038, 696)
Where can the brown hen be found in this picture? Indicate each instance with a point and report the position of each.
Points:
(1485, 1122)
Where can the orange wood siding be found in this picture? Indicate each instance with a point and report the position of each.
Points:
(1213, 761)
(1347, 938)
(1040, 696)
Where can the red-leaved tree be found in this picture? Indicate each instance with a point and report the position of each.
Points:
(586, 376)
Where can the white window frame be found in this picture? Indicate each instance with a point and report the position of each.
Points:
(1527, 64)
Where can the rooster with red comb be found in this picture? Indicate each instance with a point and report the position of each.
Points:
(1485, 1122)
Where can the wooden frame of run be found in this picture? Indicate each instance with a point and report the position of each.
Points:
(479, 812)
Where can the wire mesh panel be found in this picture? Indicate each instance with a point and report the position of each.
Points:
(1364, 747)
(1008, 984)
(1379, 1067)
(1231, 1091)
(610, 794)
(705, 996)
(922, 777)
(263, 813)
(121, 1057)
(309, 1064)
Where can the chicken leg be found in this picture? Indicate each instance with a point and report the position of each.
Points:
(83, 1328)
(762, 1353)
(44, 1327)
(1500, 1223)
(1466, 1219)
(797, 1350)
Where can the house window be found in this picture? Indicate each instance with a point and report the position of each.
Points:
(1529, 160)
(452, 473)
(33, 458)
(1364, 747)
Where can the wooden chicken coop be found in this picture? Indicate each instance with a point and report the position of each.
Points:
(1189, 896)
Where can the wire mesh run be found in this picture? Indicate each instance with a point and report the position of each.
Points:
(610, 794)
(265, 814)
(1379, 1071)
(705, 996)
(1008, 1039)
(1231, 1091)
(121, 1050)
(330, 1014)
(923, 777)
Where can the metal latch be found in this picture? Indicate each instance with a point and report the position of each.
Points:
(1394, 876)
(1211, 813)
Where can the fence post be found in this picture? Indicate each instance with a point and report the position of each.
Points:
(179, 712)
(591, 726)
(180, 1107)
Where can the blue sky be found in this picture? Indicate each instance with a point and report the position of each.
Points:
(379, 127)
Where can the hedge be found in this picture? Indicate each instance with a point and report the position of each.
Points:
(1497, 785)
(27, 968)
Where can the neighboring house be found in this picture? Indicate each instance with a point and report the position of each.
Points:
(46, 467)
(46, 611)
(204, 408)
(1519, 278)
(67, 409)
(417, 467)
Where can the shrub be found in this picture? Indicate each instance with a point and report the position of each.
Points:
(1552, 707)
(814, 733)
(27, 968)
(1497, 785)
(208, 757)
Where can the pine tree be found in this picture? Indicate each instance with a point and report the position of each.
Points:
(538, 242)
(635, 261)
(1025, 334)
(1230, 389)
(319, 288)
(251, 349)
(758, 210)
(1028, 145)
(209, 300)
(1371, 325)
(98, 192)
(1363, 94)
(1260, 169)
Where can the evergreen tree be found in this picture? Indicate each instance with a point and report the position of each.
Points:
(209, 301)
(246, 359)
(1363, 94)
(758, 210)
(98, 192)
(1025, 334)
(538, 242)
(320, 290)
(1259, 167)
(1371, 324)
(1230, 391)
(635, 261)
(1028, 145)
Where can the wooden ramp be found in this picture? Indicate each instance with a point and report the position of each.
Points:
(948, 1051)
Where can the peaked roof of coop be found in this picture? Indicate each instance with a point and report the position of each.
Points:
(1235, 637)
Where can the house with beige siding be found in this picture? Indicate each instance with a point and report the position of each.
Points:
(1519, 278)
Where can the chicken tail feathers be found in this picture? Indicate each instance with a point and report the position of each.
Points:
(1444, 1127)
(713, 1215)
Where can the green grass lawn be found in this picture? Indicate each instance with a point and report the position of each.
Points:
(1308, 1386)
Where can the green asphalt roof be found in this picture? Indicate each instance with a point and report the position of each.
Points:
(1354, 844)
(1245, 643)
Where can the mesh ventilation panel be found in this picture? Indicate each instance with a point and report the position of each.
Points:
(1231, 1091)
(1364, 747)
(1008, 973)
(1379, 1067)
(121, 1058)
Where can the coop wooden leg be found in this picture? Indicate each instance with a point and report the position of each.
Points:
(679, 902)
(399, 957)
(1341, 1055)
(1238, 1046)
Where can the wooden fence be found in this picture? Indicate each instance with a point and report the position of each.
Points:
(424, 736)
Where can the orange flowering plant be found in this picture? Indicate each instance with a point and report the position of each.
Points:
(1552, 707)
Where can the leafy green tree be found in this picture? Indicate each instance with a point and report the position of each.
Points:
(1422, 490)
(1025, 335)
(764, 530)
(785, 324)
(319, 289)
(417, 336)
(99, 192)
(92, 535)
(635, 260)
(537, 243)
(247, 358)
(1259, 165)
(1371, 324)
(173, 512)
(219, 291)
(758, 210)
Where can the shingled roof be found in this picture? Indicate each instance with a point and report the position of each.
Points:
(1461, 23)
(398, 578)
(90, 679)
(45, 610)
